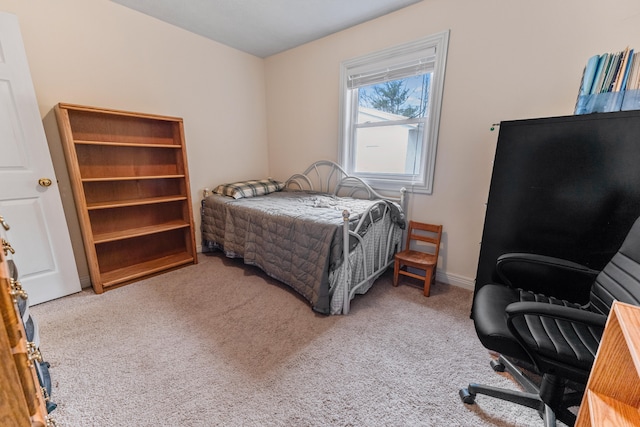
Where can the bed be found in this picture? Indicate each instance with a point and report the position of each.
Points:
(325, 234)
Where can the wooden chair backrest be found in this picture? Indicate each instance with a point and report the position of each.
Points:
(429, 233)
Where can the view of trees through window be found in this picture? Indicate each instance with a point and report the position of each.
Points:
(406, 97)
(390, 125)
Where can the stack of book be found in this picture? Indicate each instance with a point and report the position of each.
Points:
(610, 82)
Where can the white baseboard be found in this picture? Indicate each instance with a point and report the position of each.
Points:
(455, 280)
(85, 282)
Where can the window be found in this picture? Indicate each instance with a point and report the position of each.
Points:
(390, 112)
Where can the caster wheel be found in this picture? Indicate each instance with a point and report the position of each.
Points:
(467, 397)
(497, 366)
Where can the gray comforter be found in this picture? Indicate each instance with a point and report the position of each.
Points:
(293, 236)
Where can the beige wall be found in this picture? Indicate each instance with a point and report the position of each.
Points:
(507, 60)
(102, 54)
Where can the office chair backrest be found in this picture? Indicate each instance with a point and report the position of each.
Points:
(620, 278)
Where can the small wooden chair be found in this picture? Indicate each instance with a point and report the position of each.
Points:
(427, 261)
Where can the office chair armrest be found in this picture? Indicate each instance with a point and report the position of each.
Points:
(546, 275)
(559, 312)
(541, 265)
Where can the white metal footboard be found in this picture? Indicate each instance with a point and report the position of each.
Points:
(374, 257)
(376, 253)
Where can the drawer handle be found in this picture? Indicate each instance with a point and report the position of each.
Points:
(6, 247)
(4, 223)
(33, 353)
(17, 290)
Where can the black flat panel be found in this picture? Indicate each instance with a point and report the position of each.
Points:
(564, 186)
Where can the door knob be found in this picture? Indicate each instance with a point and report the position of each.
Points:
(45, 182)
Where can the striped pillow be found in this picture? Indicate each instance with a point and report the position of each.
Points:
(251, 188)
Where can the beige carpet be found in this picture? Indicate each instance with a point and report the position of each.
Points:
(220, 344)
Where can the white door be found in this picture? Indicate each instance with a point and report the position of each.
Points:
(38, 230)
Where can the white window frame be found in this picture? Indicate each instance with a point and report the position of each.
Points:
(432, 49)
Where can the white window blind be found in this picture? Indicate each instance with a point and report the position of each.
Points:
(365, 77)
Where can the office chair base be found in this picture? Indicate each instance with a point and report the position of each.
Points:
(529, 398)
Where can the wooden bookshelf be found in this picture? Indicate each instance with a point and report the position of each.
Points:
(612, 396)
(130, 182)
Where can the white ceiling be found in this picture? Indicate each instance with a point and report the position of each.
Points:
(265, 27)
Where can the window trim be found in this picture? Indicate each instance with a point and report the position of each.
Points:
(440, 43)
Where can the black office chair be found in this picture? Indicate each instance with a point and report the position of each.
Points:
(554, 339)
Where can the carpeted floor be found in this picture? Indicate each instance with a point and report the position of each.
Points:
(221, 344)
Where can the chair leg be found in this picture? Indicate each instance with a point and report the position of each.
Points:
(530, 400)
(428, 274)
(552, 390)
(396, 269)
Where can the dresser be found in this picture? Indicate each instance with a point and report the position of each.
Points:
(25, 383)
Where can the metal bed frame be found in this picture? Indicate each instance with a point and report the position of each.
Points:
(328, 177)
